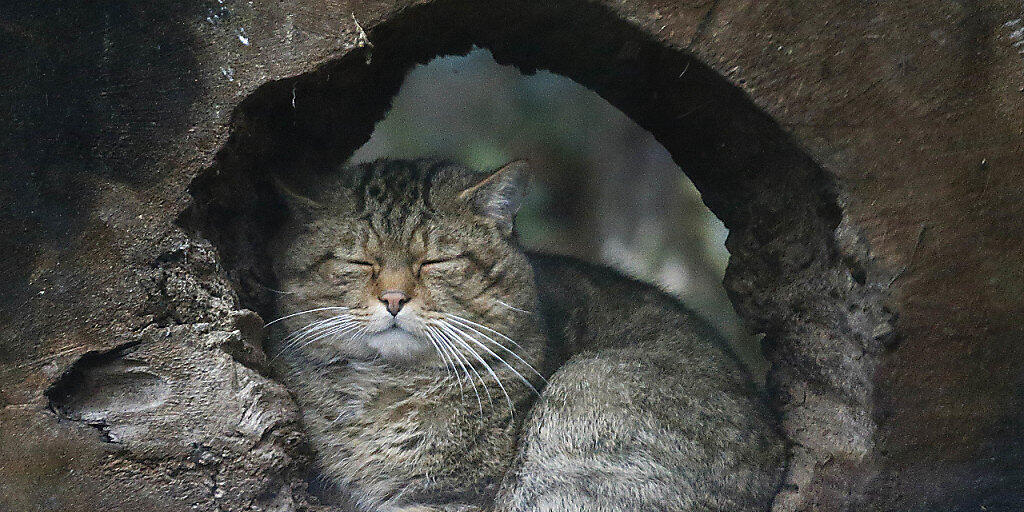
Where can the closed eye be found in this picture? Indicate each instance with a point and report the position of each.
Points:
(361, 263)
(443, 259)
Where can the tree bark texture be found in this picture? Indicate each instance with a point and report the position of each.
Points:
(866, 156)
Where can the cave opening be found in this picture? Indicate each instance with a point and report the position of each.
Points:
(795, 275)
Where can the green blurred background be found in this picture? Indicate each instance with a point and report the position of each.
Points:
(604, 189)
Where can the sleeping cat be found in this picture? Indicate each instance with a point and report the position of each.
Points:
(440, 367)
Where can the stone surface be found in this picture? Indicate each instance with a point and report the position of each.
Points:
(866, 156)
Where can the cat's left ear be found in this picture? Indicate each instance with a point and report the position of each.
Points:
(498, 197)
(299, 205)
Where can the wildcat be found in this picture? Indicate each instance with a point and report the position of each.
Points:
(440, 367)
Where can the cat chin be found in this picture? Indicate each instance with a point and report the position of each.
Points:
(399, 346)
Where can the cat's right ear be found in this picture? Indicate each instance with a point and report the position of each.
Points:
(298, 204)
(498, 197)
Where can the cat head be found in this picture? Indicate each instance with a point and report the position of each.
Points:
(406, 260)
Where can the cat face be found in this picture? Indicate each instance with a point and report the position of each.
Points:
(409, 261)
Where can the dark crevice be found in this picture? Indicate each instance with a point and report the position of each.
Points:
(101, 383)
(71, 383)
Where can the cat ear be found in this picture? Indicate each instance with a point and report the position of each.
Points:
(298, 204)
(499, 196)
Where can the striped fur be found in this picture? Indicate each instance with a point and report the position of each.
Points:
(509, 381)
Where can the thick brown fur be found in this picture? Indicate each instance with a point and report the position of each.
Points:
(507, 381)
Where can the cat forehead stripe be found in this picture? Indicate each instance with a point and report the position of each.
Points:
(395, 187)
(393, 196)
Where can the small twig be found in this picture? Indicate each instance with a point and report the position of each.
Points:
(361, 40)
(685, 69)
(692, 110)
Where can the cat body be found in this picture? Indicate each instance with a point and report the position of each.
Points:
(439, 367)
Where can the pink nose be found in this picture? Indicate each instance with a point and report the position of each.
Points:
(394, 300)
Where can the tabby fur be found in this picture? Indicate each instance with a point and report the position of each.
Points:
(509, 380)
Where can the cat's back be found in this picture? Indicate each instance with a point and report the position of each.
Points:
(590, 307)
(651, 411)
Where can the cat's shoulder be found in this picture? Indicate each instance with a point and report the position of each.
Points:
(580, 296)
(565, 271)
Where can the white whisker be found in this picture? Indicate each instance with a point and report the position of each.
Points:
(499, 358)
(469, 325)
(335, 331)
(314, 310)
(487, 390)
(446, 349)
(482, 326)
(466, 366)
(299, 334)
(513, 308)
(314, 328)
(315, 331)
(426, 332)
(279, 292)
(458, 336)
